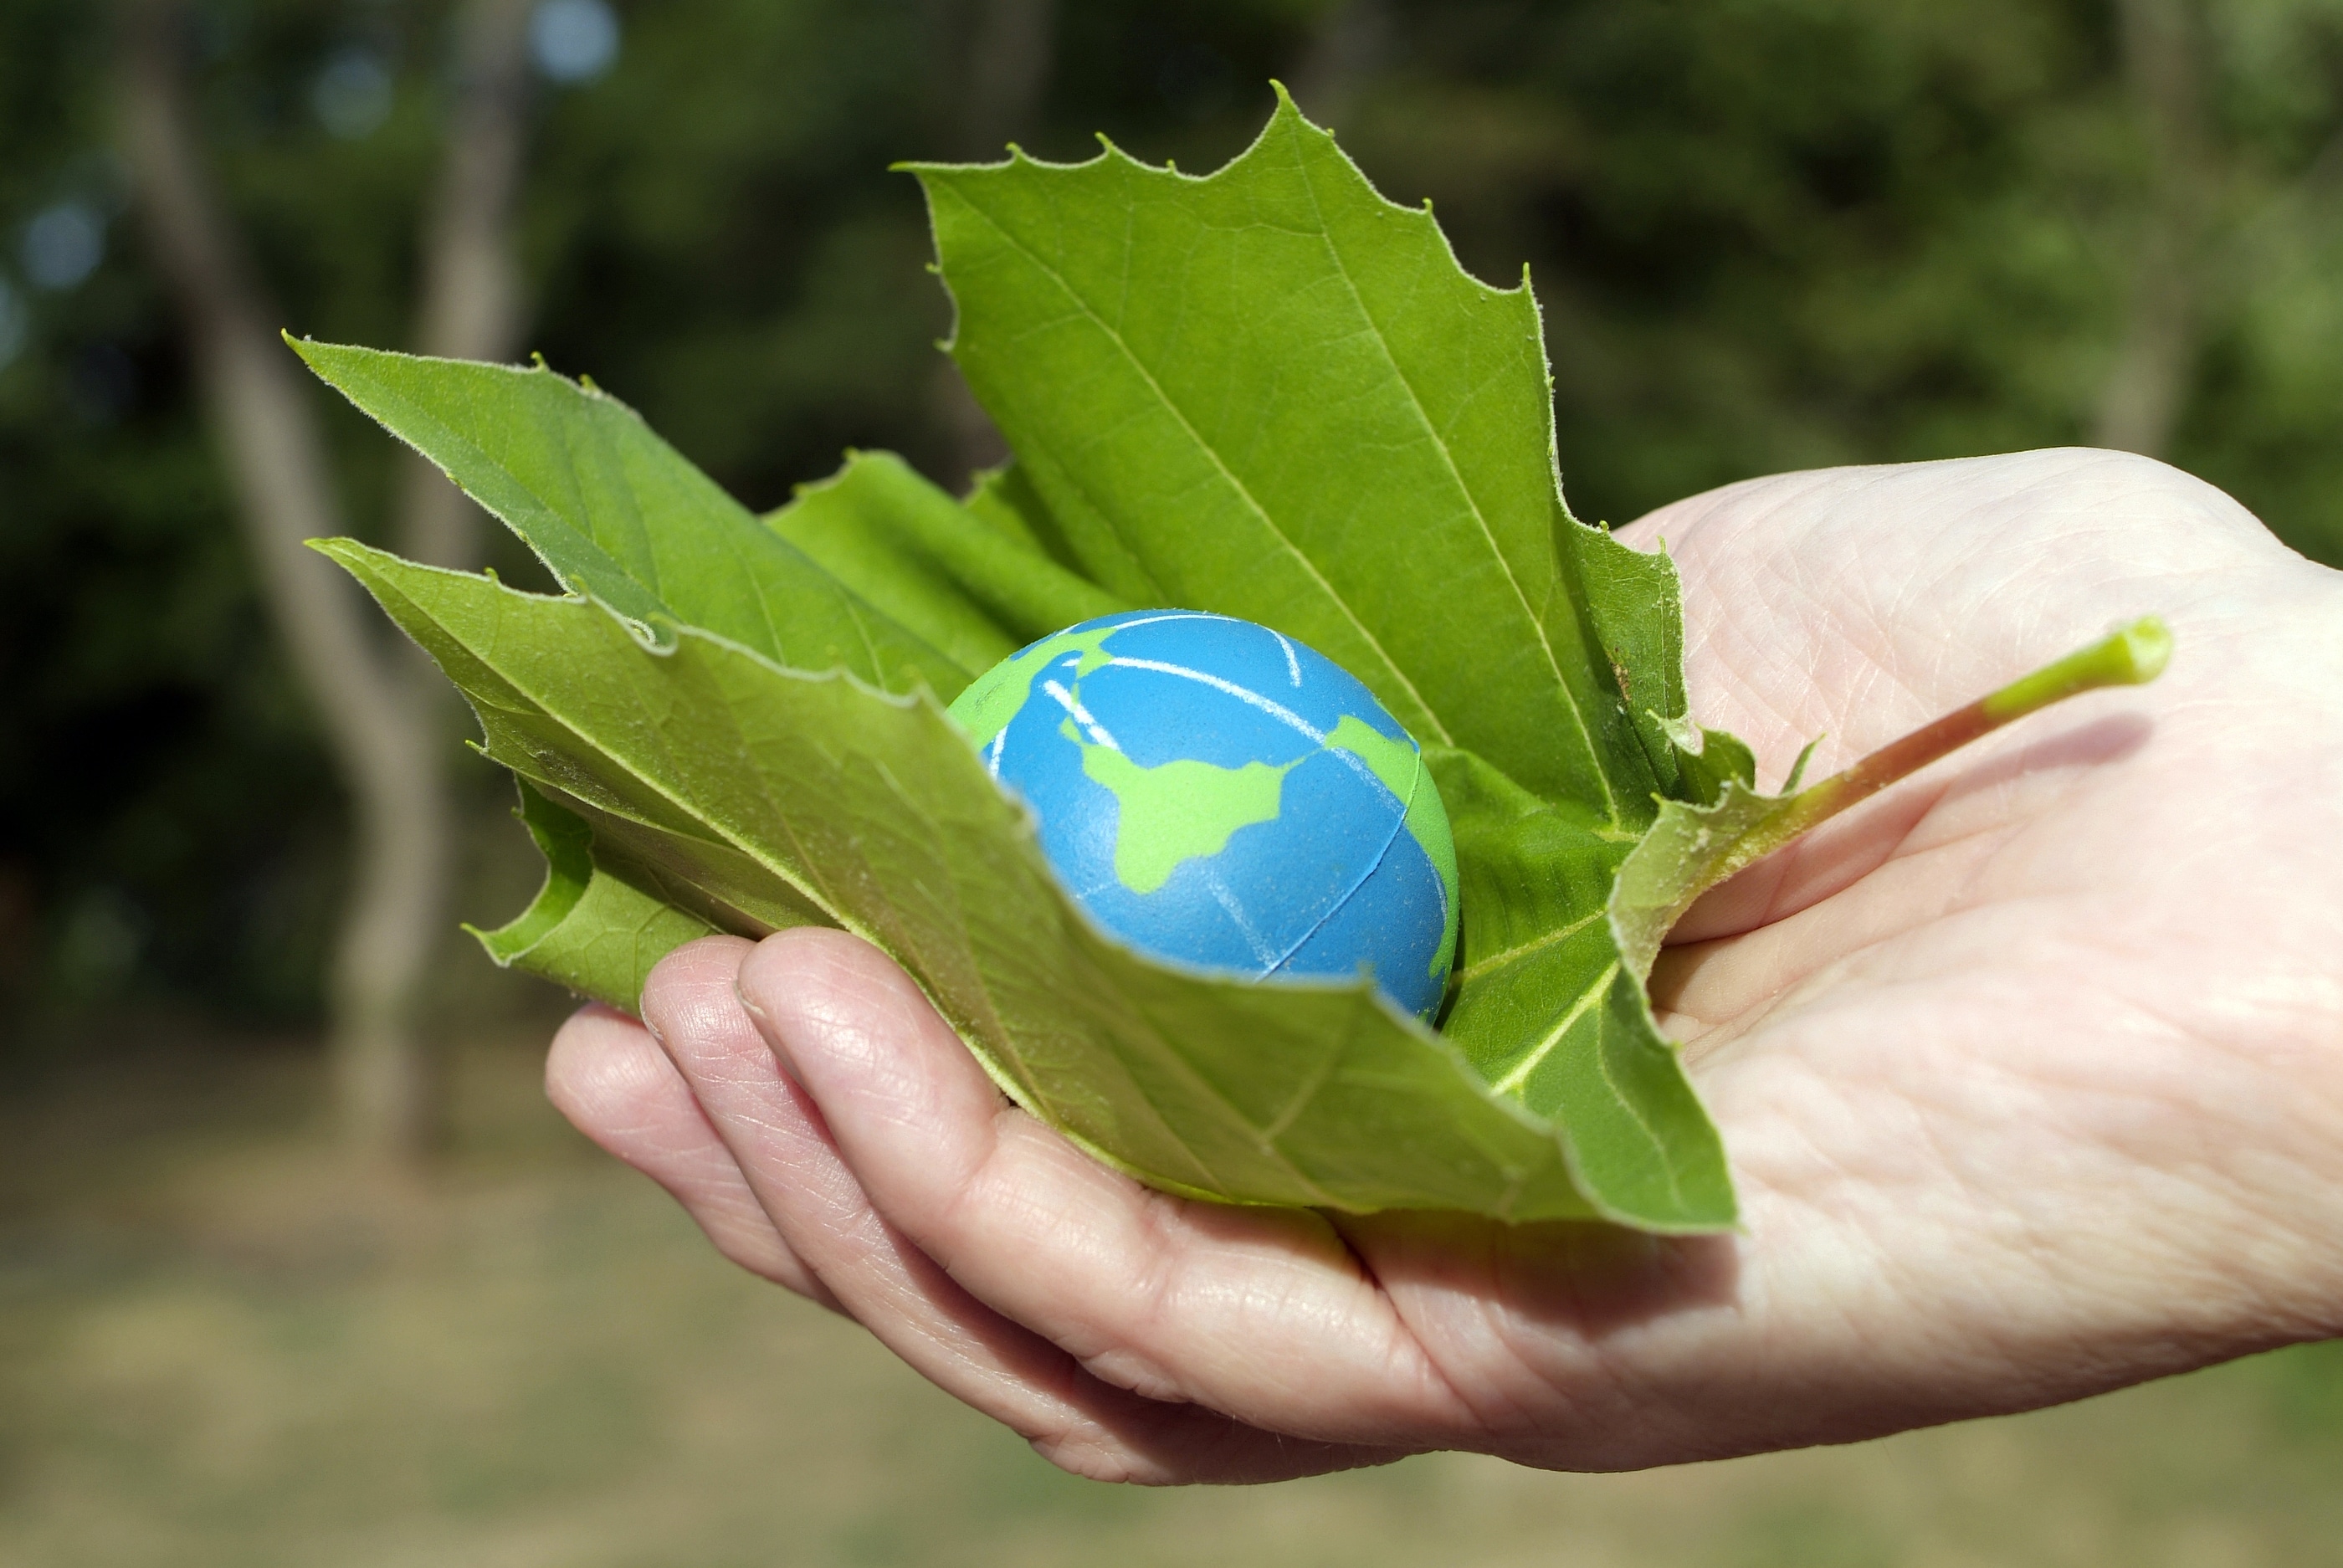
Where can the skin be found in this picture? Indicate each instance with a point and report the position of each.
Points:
(2031, 1068)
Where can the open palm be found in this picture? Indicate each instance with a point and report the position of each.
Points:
(2031, 1069)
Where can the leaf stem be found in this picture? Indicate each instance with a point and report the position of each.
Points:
(2131, 656)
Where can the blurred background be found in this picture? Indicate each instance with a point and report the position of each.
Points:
(295, 1266)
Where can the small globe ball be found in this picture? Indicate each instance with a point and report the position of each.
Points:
(1217, 795)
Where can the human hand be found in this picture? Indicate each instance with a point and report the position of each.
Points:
(2030, 1070)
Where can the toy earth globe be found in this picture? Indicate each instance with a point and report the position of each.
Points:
(1219, 796)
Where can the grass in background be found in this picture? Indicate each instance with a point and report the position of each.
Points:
(213, 1352)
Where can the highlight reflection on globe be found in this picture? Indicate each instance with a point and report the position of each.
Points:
(1219, 796)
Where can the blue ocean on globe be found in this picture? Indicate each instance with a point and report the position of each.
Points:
(1222, 797)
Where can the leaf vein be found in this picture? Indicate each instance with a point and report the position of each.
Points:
(1214, 456)
(1521, 949)
(1448, 461)
(1520, 1074)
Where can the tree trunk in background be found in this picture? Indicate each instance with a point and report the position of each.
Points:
(1009, 47)
(383, 712)
(2146, 391)
(471, 307)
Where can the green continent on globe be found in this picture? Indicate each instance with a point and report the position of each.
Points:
(1183, 809)
(1177, 810)
(1400, 768)
(987, 705)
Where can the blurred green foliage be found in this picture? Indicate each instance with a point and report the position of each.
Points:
(1767, 234)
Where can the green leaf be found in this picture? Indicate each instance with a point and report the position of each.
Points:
(587, 929)
(1273, 393)
(871, 810)
(1005, 500)
(1267, 393)
(907, 548)
(620, 515)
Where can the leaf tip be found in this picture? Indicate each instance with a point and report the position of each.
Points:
(1798, 770)
(1288, 110)
(499, 953)
(309, 351)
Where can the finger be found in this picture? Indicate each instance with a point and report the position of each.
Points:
(782, 1147)
(1263, 1314)
(610, 1078)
